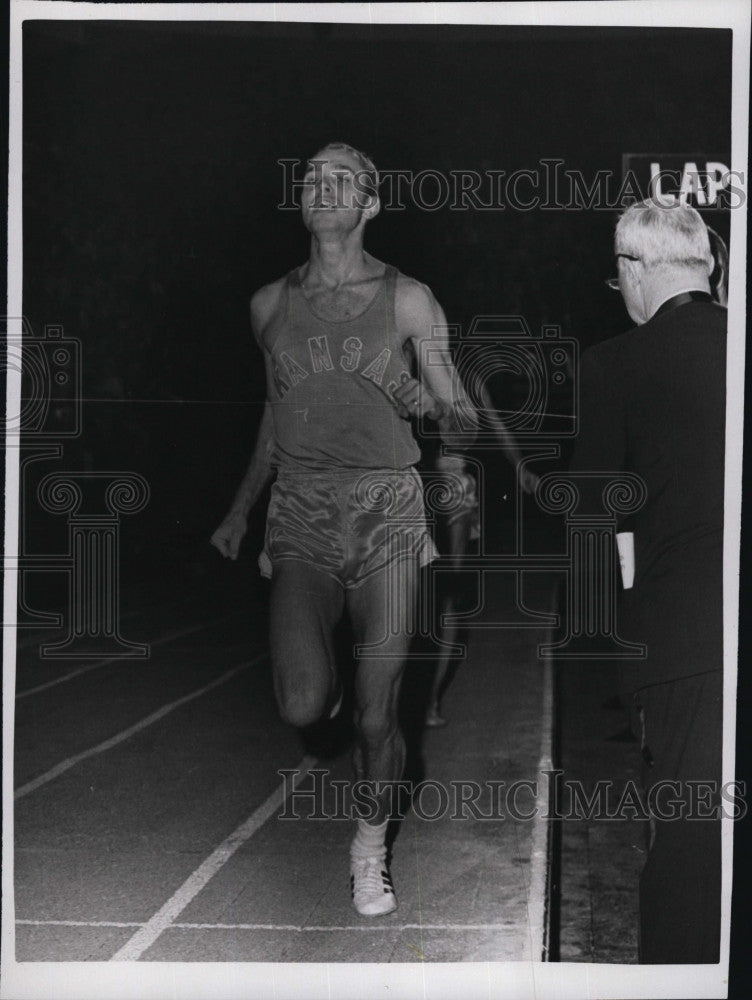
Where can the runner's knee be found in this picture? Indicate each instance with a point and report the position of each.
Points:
(301, 708)
(377, 725)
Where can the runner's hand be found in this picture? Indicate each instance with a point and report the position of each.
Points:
(414, 400)
(229, 535)
(529, 481)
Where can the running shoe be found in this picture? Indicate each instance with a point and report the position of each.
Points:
(371, 887)
(433, 719)
(338, 702)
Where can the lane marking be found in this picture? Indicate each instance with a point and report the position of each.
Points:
(77, 923)
(125, 734)
(170, 637)
(345, 927)
(538, 898)
(535, 877)
(300, 928)
(166, 915)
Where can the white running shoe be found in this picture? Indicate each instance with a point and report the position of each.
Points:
(371, 887)
(433, 719)
(334, 712)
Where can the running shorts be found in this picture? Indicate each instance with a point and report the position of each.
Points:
(350, 523)
(464, 505)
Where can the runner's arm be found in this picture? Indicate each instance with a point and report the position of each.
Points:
(229, 534)
(438, 394)
(528, 479)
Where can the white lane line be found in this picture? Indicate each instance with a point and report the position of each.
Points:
(170, 637)
(166, 915)
(125, 734)
(538, 900)
(299, 928)
(346, 927)
(78, 923)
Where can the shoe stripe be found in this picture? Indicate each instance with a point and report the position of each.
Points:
(386, 888)
(386, 878)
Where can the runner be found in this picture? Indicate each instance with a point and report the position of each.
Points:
(346, 529)
(463, 525)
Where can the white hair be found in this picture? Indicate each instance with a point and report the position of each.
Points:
(664, 235)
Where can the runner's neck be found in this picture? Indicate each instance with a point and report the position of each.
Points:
(335, 262)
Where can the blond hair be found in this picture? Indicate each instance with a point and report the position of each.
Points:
(370, 174)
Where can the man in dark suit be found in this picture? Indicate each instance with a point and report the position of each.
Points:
(653, 403)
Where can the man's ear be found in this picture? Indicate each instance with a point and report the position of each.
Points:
(634, 270)
(373, 207)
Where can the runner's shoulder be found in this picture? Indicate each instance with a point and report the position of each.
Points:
(264, 301)
(264, 305)
(414, 302)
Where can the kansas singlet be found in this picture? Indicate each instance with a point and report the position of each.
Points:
(333, 382)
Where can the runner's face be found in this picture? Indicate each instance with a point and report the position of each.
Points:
(333, 197)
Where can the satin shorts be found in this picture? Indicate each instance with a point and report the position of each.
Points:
(349, 524)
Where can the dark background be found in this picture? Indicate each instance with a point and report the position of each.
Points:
(151, 184)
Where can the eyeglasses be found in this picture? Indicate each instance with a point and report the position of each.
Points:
(613, 283)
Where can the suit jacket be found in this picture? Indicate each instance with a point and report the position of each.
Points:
(652, 402)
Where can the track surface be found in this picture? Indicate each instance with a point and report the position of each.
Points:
(148, 795)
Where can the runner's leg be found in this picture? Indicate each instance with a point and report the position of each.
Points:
(305, 607)
(382, 611)
(459, 537)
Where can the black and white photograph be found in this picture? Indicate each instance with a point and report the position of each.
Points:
(374, 387)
